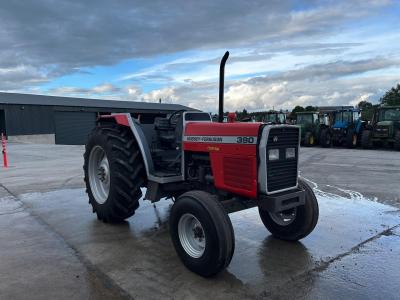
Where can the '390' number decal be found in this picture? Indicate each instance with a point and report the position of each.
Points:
(245, 140)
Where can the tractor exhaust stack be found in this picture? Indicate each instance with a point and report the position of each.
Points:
(221, 87)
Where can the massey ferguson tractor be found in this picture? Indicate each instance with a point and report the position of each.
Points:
(208, 169)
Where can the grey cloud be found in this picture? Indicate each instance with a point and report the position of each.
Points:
(331, 70)
(59, 36)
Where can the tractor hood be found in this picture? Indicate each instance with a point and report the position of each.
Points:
(385, 123)
(207, 129)
(340, 124)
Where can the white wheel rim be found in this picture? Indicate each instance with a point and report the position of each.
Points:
(284, 218)
(99, 174)
(191, 235)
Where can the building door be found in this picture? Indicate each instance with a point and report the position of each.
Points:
(72, 128)
(2, 122)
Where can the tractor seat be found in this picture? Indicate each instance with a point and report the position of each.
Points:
(162, 124)
(166, 133)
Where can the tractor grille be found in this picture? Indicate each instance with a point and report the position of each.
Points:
(282, 173)
(382, 131)
(238, 173)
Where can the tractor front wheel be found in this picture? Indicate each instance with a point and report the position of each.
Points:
(397, 140)
(325, 138)
(296, 223)
(309, 139)
(366, 139)
(202, 233)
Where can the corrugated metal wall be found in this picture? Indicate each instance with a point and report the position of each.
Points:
(70, 124)
(29, 119)
(72, 128)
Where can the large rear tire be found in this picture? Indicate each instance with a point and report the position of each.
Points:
(366, 139)
(325, 138)
(202, 233)
(309, 139)
(296, 223)
(114, 172)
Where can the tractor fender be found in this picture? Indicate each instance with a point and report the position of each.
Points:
(125, 119)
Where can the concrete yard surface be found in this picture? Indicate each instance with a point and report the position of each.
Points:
(53, 246)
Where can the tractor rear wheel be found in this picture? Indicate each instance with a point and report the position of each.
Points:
(114, 172)
(202, 233)
(366, 139)
(296, 223)
(309, 139)
(351, 139)
(397, 140)
(325, 138)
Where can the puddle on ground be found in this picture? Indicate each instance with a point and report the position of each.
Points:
(141, 247)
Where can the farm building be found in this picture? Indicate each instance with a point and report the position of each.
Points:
(64, 120)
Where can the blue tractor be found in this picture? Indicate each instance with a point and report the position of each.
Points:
(347, 127)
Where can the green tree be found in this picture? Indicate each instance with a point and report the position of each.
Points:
(391, 97)
(297, 109)
(310, 108)
(367, 110)
(294, 111)
(364, 104)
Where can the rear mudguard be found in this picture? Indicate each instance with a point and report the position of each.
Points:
(125, 119)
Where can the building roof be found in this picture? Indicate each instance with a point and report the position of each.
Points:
(30, 99)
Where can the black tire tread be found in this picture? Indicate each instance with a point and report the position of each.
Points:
(222, 225)
(397, 140)
(366, 139)
(127, 170)
(295, 232)
(324, 138)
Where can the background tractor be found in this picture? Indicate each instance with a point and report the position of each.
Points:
(208, 169)
(347, 128)
(274, 117)
(313, 129)
(384, 128)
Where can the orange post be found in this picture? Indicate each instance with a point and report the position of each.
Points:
(3, 144)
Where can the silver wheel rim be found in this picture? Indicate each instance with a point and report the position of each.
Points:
(191, 235)
(284, 218)
(99, 174)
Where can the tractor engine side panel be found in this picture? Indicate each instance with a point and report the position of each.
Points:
(232, 150)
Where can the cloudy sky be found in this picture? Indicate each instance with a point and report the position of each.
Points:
(283, 53)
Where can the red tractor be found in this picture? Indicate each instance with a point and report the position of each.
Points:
(208, 169)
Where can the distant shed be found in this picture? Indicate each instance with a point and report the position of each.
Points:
(64, 120)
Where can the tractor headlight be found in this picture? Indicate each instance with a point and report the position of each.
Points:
(273, 154)
(290, 153)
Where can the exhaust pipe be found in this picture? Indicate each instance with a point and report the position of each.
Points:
(221, 87)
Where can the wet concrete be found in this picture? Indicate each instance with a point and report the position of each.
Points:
(36, 263)
(47, 239)
(374, 173)
(139, 257)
